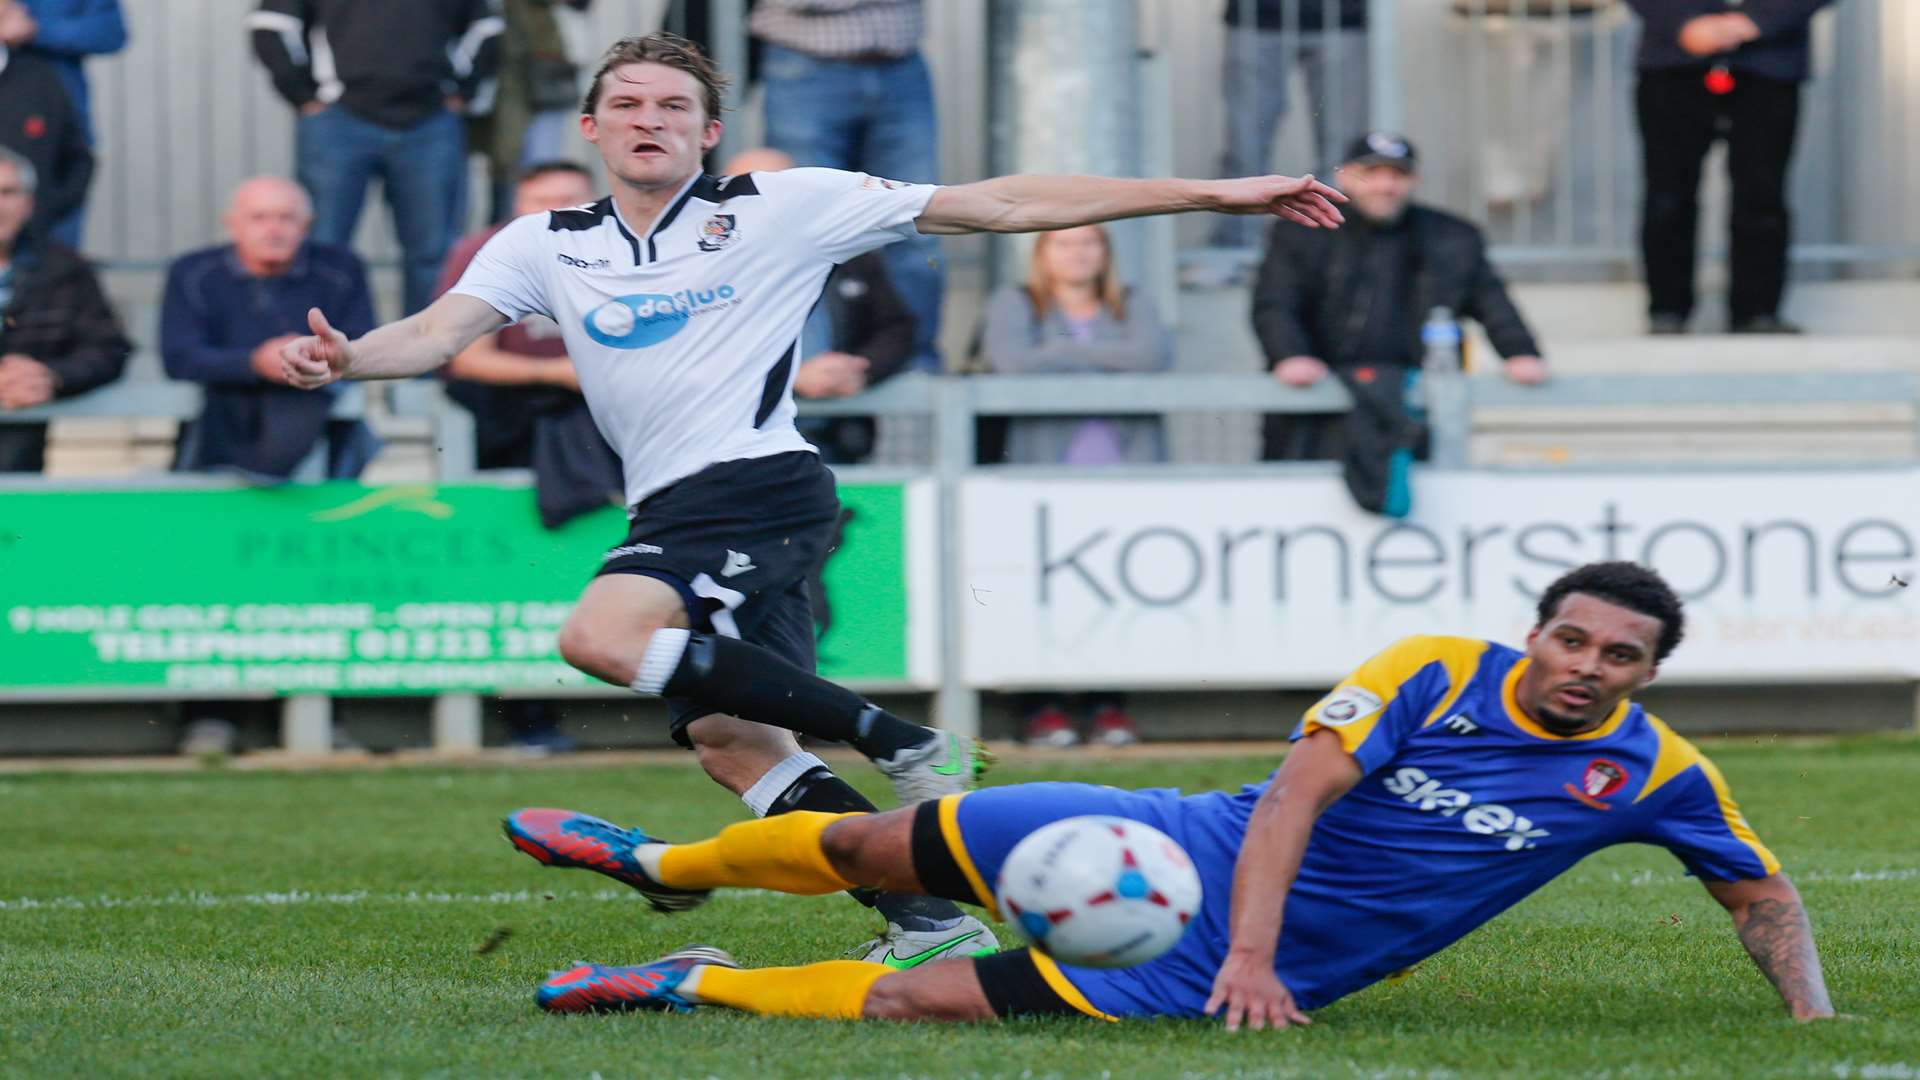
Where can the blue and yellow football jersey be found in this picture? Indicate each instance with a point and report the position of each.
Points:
(1465, 807)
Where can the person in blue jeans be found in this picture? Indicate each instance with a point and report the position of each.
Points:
(66, 32)
(847, 88)
(381, 89)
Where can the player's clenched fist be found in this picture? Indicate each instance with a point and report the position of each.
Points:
(314, 361)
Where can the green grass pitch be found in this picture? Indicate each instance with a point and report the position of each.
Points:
(227, 923)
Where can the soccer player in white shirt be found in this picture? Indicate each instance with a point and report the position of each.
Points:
(682, 298)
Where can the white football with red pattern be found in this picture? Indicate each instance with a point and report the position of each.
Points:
(1099, 891)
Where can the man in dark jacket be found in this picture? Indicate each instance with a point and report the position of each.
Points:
(381, 88)
(1712, 69)
(1265, 39)
(66, 32)
(225, 314)
(520, 385)
(864, 334)
(58, 335)
(38, 122)
(1356, 297)
(860, 335)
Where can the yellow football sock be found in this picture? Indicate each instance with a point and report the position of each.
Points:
(834, 990)
(782, 853)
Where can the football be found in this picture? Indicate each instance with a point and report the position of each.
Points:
(1099, 891)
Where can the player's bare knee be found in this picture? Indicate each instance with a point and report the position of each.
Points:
(849, 846)
(736, 753)
(608, 651)
(580, 646)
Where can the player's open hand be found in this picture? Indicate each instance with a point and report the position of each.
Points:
(1301, 200)
(314, 361)
(1253, 995)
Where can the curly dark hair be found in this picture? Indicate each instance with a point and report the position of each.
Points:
(1629, 585)
(671, 50)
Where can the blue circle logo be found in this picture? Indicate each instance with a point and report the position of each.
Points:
(637, 321)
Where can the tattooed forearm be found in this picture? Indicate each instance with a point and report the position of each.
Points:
(1780, 940)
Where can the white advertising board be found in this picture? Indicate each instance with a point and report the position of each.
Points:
(1122, 582)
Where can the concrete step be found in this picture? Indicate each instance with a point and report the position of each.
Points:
(1594, 329)
(1620, 310)
(1734, 354)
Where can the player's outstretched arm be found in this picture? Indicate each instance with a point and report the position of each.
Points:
(1015, 204)
(1316, 773)
(1772, 924)
(415, 345)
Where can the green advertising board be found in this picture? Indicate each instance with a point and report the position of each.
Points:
(348, 589)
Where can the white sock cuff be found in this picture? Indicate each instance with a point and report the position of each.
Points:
(759, 798)
(664, 650)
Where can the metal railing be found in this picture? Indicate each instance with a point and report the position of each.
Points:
(1523, 113)
(1524, 121)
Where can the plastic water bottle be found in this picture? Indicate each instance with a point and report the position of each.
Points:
(1440, 343)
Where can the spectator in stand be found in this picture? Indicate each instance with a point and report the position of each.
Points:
(58, 335)
(225, 314)
(1074, 316)
(520, 385)
(38, 122)
(381, 89)
(1353, 299)
(538, 99)
(860, 335)
(528, 412)
(66, 32)
(1712, 69)
(1265, 38)
(847, 88)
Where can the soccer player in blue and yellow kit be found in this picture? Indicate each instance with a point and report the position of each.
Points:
(1432, 789)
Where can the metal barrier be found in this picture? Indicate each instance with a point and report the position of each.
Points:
(1523, 113)
(955, 403)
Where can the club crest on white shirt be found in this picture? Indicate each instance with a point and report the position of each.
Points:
(717, 232)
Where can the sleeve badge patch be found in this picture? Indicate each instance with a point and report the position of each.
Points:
(1347, 704)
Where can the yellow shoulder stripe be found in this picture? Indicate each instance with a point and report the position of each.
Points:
(1461, 657)
(1371, 689)
(1737, 821)
(1676, 756)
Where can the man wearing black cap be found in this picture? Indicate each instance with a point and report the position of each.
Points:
(1713, 69)
(1354, 300)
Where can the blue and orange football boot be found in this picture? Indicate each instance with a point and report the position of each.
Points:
(570, 838)
(602, 988)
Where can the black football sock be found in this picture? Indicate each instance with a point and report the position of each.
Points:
(730, 676)
(820, 790)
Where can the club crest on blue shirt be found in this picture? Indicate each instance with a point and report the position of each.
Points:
(1602, 778)
(718, 231)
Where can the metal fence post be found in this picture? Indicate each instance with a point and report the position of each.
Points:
(306, 724)
(956, 705)
(730, 55)
(1383, 65)
(456, 723)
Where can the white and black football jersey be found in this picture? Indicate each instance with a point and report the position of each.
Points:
(686, 337)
